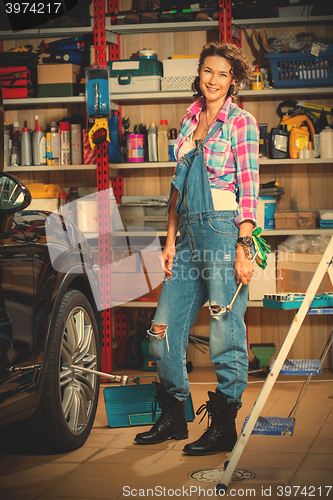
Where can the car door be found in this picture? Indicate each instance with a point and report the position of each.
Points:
(16, 320)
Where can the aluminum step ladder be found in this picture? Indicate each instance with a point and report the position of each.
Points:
(268, 425)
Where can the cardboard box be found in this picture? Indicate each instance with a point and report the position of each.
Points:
(306, 219)
(58, 80)
(294, 271)
(263, 280)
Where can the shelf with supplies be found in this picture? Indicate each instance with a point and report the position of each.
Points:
(114, 172)
(163, 95)
(273, 22)
(188, 94)
(262, 161)
(71, 31)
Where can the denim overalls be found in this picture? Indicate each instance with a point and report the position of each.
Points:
(202, 270)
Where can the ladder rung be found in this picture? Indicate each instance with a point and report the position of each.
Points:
(300, 367)
(273, 426)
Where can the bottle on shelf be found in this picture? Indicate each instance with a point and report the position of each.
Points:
(73, 195)
(162, 141)
(76, 144)
(7, 145)
(38, 145)
(65, 143)
(152, 142)
(62, 202)
(258, 79)
(26, 151)
(15, 158)
(171, 144)
(55, 144)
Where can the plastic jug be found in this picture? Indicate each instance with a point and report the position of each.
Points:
(162, 141)
(299, 138)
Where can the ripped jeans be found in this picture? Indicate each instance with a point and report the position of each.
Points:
(203, 270)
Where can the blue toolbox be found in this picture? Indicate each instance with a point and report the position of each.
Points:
(131, 405)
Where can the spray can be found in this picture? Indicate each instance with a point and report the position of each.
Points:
(152, 142)
(26, 146)
(76, 144)
(15, 158)
(65, 152)
(55, 144)
(7, 145)
(162, 140)
(38, 145)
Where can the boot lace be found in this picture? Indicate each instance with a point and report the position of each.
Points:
(158, 400)
(207, 408)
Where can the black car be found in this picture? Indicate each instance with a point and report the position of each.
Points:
(50, 325)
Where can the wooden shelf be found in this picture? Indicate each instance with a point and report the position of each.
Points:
(282, 21)
(188, 94)
(111, 37)
(49, 168)
(153, 303)
(262, 161)
(289, 232)
(132, 29)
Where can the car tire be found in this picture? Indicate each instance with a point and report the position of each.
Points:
(68, 404)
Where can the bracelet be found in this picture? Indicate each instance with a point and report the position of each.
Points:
(247, 250)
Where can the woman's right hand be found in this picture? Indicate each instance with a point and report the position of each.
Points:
(168, 255)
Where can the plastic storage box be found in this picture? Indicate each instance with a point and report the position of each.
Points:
(301, 69)
(131, 405)
(135, 75)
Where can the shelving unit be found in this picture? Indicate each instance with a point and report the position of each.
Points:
(153, 178)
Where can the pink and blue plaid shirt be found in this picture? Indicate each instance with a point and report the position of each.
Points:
(231, 154)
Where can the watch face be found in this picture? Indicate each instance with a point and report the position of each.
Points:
(246, 240)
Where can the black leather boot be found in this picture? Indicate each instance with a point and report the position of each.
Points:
(172, 422)
(221, 433)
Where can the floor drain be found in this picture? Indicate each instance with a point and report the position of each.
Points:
(215, 475)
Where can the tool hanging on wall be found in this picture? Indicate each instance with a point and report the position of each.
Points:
(98, 102)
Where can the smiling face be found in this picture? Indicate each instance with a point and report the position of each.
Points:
(215, 79)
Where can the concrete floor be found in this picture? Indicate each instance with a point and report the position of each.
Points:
(111, 466)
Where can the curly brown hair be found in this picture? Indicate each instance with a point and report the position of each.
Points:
(240, 66)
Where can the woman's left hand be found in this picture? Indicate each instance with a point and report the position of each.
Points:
(243, 267)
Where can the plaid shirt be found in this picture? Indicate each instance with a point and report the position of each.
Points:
(231, 154)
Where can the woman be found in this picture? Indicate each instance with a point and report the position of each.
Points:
(213, 200)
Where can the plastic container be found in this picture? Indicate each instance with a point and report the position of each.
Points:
(258, 79)
(265, 212)
(38, 145)
(26, 149)
(162, 141)
(279, 144)
(87, 215)
(299, 138)
(152, 142)
(15, 158)
(326, 143)
(76, 144)
(135, 147)
(301, 69)
(65, 143)
(97, 91)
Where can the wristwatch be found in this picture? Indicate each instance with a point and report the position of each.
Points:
(246, 241)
